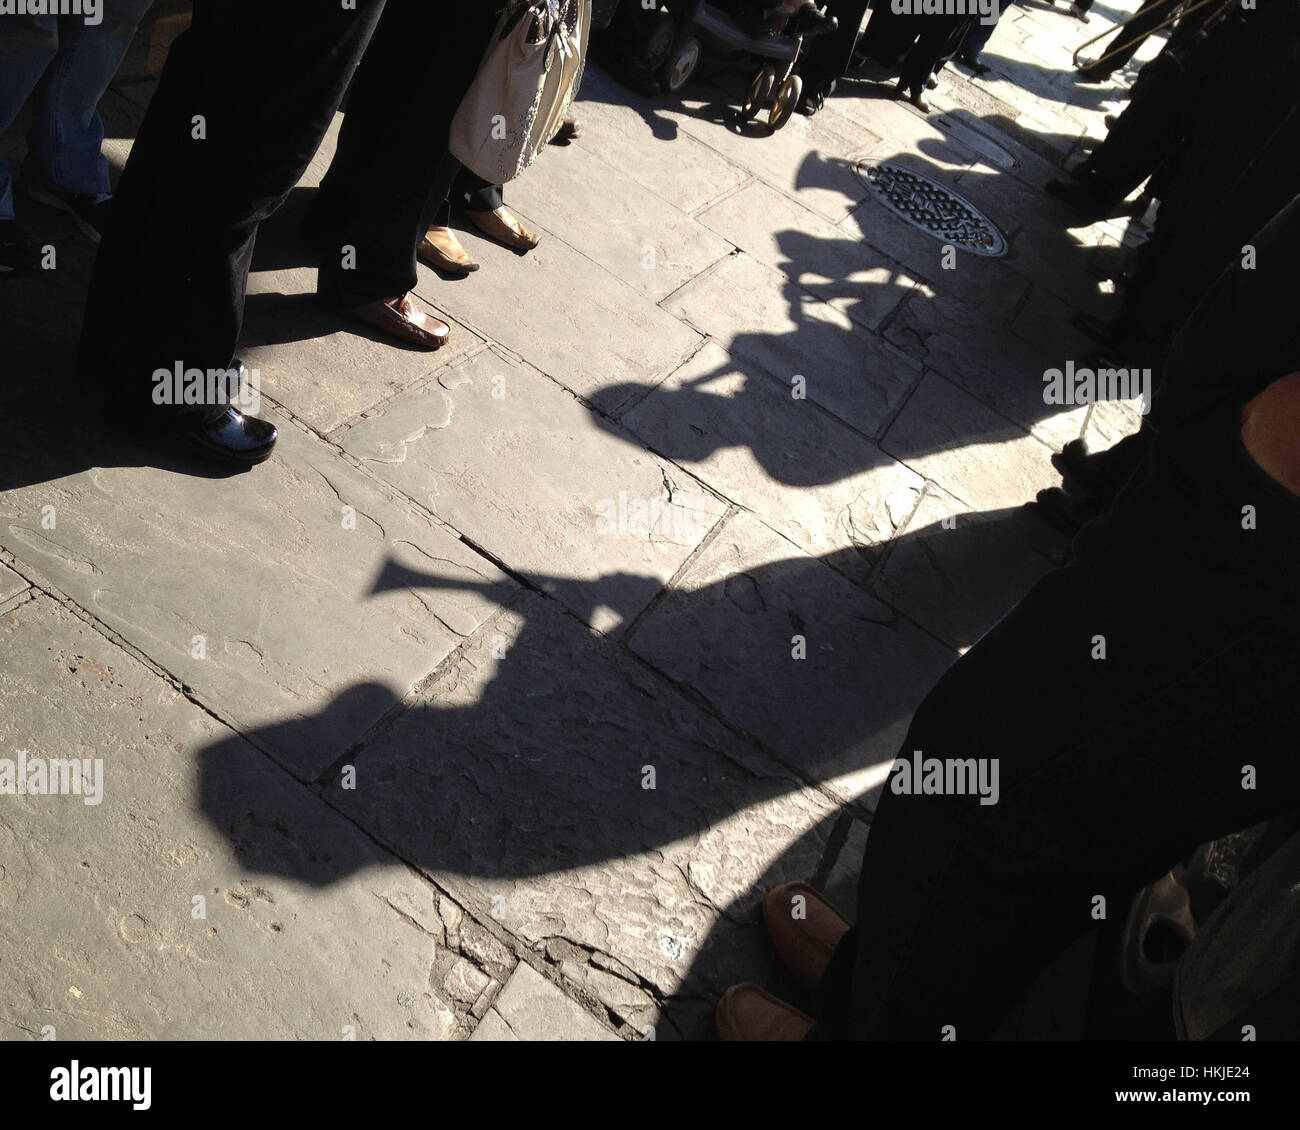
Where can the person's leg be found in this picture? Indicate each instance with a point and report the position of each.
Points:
(389, 176)
(1123, 45)
(926, 53)
(979, 34)
(475, 194)
(67, 132)
(1111, 768)
(241, 107)
(826, 57)
(28, 44)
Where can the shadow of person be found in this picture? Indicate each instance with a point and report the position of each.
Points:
(518, 768)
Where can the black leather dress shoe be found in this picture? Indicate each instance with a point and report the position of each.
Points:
(232, 437)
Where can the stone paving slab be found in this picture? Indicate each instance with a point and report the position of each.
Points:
(729, 630)
(995, 147)
(102, 936)
(797, 468)
(957, 580)
(1000, 371)
(264, 569)
(11, 584)
(518, 780)
(328, 368)
(563, 313)
(811, 251)
(531, 1008)
(536, 479)
(1045, 321)
(631, 132)
(808, 161)
(757, 313)
(484, 732)
(1044, 245)
(980, 457)
(994, 286)
(889, 130)
(604, 213)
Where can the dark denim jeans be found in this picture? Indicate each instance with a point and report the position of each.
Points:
(1111, 769)
(64, 65)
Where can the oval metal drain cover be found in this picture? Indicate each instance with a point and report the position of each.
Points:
(925, 204)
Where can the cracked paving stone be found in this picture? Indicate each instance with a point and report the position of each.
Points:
(807, 160)
(649, 244)
(732, 630)
(517, 784)
(797, 468)
(617, 131)
(327, 368)
(11, 584)
(465, 982)
(975, 454)
(992, 286)
(102, 897)
(1006, 374)
(567, 498)
(811, 251)
(757, 313)
(280, 607)
(961, 579)
(531, 1008)
(603, 332)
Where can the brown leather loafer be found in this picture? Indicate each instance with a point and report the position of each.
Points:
(749, 1012)
(804, 928)
(440, 248)
(403, 319)
(569, 129)
(504, 227)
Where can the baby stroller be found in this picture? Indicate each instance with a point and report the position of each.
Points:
(776, 86)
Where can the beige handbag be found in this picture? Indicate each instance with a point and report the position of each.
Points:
(528, 76)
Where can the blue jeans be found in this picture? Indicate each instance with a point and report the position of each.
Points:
(980, 33)
(64, 65)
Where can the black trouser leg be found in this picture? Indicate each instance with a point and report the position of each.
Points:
(475, 194)
(389, 178)
(826, 57)
(930, 50)
(242, 105)
(1123, 46)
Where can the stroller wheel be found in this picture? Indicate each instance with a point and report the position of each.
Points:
(680, 64)
(787, 98)
(760, 90)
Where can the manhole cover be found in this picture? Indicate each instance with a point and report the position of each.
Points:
(929, 206)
